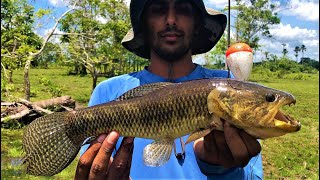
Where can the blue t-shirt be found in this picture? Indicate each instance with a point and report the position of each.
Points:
(188, 168)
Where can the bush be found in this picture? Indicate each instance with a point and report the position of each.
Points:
(297, 76)
(284, 66)
(53, 89)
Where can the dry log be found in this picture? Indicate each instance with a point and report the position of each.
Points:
(67, 108)
(8, 103)
(17, 115)
(63, 100)
(37, 108)
(22, 108)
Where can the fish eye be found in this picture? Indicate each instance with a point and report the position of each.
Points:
(270, 97)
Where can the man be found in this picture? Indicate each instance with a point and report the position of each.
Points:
(169, 32)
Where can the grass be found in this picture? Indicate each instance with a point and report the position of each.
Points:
(11, 158)
(293, 156)
(79, 88)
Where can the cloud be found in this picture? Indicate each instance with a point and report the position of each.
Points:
(59, 3)
(218, 3)
(288, 33)
(292, 37)
(303, 9)
(102, 19)
(53, 39)
(127, 2)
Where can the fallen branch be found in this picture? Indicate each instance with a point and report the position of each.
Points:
(18, 115)
(23, 108)
(63, 100)
(37, 108)
(8, 103)
(67, 108)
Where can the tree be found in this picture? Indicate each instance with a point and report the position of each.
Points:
(254, 19)
(51, 54)
(296, 50)
(284, 50)
(266, 53)
(17, 36)
(20, 42)
(93, 36)
(217, 55)
(303, 49)
(32, 55)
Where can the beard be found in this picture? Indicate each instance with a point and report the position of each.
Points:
(171, 55)
(164, 51)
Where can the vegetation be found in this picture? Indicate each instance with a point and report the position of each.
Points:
(253, 20)
(90, 43)
(293, 156)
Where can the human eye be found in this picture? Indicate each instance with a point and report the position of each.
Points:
(184, 9)
(158, 8)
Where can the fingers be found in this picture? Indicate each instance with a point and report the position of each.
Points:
(253, 146)
(210, 142)
(97, 162)
(120, 167)
(231, 148)
(224, 154)
(236, 145)
(85, 161)
(100, 163)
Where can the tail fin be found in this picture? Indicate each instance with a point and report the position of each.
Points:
(48, 146)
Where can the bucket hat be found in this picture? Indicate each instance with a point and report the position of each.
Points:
(211, 30)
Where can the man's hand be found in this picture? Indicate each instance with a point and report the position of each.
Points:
(231, 148)
(97, 162)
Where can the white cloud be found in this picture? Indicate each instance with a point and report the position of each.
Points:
(304, 9)
(59, 3)
(53, 39)
(292, 37)
(311, 42)
(288, 33)
(218, 3)
(102, 20)
(127, 2)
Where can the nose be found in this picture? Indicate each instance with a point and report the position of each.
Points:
(171, 17)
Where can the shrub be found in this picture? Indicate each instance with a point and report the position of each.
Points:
(53, 89)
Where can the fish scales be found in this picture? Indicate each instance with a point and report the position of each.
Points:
(162, 112)
(152, 116)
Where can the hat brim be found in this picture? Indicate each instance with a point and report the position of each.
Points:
(209, 34)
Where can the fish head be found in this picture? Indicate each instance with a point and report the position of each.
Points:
(253, 108)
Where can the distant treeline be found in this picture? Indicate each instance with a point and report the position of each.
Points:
(283, 64)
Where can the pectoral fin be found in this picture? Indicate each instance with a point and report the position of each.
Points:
(198, 134)
(158, 152)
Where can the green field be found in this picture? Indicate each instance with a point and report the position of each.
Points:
(293, 156)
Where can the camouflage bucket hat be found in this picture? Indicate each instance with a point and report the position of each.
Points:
(213, 26)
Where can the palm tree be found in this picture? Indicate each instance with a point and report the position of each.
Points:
(303, 49)
(266, 53)
(296, 50)
(284, 50)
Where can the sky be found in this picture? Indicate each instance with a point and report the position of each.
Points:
(299, 25)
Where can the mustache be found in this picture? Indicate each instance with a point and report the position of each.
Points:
(172, 29)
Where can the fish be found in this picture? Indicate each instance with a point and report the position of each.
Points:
(162, 112)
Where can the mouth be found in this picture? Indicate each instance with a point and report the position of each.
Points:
(171, 36)
(284, 121)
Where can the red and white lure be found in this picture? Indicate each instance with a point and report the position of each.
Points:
(240, 60)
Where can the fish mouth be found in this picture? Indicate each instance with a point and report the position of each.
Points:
(285, 122)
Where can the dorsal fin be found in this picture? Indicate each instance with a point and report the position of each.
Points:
(142, 90)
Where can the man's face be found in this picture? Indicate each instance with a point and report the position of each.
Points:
(170, 28)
